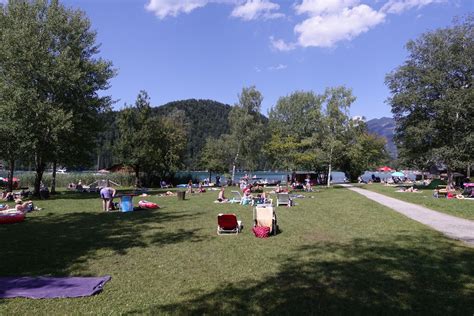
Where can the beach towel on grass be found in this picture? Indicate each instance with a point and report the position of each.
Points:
(50, 287)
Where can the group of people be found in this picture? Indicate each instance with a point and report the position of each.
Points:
(11, 196)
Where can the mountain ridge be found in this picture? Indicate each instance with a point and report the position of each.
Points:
(384, 127)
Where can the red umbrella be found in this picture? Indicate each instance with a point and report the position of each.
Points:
(385, 169)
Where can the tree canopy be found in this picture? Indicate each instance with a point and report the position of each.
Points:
(433, 99)
(50, 76)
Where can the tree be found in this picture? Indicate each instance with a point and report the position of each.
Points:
(247, 130)
(433, 99)
(293, 121)
(335, 127)
(150, 144)
(47, 61)
(217, 155)
(133, 144)
(365, 151)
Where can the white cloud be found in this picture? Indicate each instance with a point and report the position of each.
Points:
(325, 30)
(277, 67)
(246, 10)
(255, 9)
(399, 6)
(281, 45)
(164, 8)
(317, 7)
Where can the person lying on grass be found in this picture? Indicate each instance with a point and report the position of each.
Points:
(24, 207)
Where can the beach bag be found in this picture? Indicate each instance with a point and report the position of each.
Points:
(261, 231)
(30, 207)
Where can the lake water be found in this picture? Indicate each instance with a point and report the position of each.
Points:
(337, 176)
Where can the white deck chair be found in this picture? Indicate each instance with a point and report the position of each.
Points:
(236, 198)
(283, 199)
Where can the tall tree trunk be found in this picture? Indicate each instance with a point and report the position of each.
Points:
(53, 181)
(450, 178)
(210, 175)
(11, 166)
(233, 166)
(468, 171)
(330, 169)
(329, 175)
(137, 176)
(39, 168)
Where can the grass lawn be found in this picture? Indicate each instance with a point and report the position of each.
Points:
(459, 208)
(337, 253)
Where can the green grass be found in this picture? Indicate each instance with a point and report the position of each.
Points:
(455, 207)
(337, 253)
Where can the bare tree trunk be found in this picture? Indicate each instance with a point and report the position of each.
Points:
(468, 171)
(330, 169)
(329, 175)
(137, 176)
(11, 170)
(53, 180)
(233, 166)
(450, 178)
(39, 168)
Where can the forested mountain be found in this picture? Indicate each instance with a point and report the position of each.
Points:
(205, 118)
(384, 127)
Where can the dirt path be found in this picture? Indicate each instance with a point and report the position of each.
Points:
(451, 226)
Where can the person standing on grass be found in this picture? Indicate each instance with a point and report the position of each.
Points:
(107, 194)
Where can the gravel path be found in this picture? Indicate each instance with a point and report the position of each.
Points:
(451, 226)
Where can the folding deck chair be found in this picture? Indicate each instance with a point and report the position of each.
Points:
(265, 215)
(283, 199)
(228, 224)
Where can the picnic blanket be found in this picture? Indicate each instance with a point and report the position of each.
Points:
(51, 287)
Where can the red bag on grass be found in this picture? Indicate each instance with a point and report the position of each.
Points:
(261, 231)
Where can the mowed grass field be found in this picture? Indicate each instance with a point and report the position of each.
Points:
(460, 208)
(337, 253)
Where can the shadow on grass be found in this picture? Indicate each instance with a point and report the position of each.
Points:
(408, 275)
(58, 244)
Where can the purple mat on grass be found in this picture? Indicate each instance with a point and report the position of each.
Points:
(49, 287)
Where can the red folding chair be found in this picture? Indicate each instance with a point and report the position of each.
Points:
(228, 224)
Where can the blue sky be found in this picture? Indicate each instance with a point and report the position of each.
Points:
(210, 49)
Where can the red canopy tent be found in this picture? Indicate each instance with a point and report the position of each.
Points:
(385, 169)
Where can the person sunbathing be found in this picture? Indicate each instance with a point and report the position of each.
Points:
(24, 207)
(7, 196)
(221, 198)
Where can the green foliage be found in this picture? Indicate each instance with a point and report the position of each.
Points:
(217, 154)
(49, 80)
(248, 130)
(315, 132)
(202, 119)
(366, 152)
(242, 146)
(433, 99)
(150, 144)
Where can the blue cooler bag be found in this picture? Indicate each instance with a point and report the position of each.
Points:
(126, 204)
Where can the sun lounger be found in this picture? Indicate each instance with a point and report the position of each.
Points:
(228, 224)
